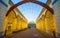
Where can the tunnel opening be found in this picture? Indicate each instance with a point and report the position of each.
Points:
(40, 20)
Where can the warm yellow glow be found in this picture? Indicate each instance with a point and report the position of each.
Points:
(14, 23)
(47, 23)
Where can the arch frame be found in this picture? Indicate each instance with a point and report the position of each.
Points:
(33, 1)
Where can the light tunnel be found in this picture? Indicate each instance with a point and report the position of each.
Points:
(16, 22)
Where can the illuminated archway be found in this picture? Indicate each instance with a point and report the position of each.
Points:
(33, 1)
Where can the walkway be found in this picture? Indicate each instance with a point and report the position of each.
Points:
(30, 33)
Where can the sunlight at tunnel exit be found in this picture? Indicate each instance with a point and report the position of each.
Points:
(30, 10)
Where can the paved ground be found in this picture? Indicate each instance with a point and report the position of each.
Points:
(30, 33)
(58, 35)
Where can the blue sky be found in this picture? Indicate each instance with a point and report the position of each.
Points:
(30, 10)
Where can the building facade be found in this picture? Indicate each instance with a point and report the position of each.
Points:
(56, 6)
(3, 11)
